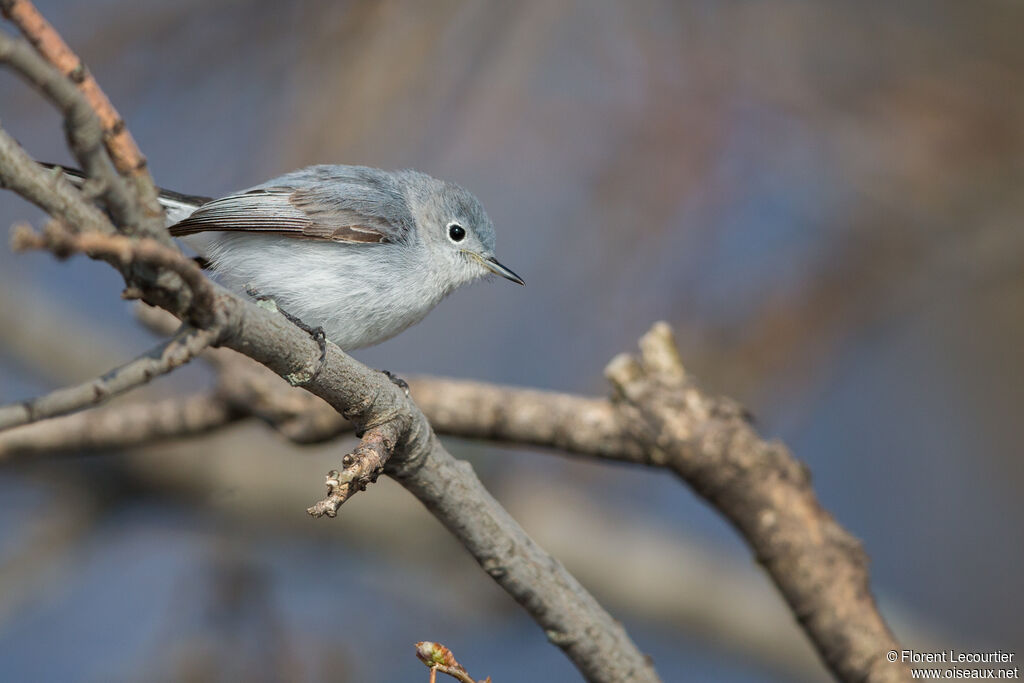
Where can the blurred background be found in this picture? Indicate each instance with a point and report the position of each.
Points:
(824, 199)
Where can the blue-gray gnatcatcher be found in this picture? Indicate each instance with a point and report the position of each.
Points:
(361, 252)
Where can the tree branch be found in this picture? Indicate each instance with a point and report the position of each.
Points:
(717, 452)
(47, 189)
(526, 417)
(174, 352)
(615, 430)
(438, 658)
(122, 426)
(573, 620)
(820, 569)
(196, 303)
(361, 467)
(565, 610)
(119, 142)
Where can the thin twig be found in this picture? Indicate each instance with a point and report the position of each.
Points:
(85, 134)
(47, 189)
(439, 658)
(124, 251)
(361, 467)
(177, 351)
(119, 142)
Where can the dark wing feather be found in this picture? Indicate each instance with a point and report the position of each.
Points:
(338, 209)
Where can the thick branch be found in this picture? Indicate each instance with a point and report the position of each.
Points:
(529, 417)
(566, 611)
(820, 569)
(177, 351)
(574, 621)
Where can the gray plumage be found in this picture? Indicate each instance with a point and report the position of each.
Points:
(361, 252)
(364, 253)
(337, 203)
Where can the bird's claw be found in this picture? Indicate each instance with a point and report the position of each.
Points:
(397, 381)
(317, 333)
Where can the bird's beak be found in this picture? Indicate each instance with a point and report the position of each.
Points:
(491, 264)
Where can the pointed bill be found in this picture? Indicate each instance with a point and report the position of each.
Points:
(492, 264)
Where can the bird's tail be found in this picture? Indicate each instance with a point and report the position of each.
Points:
(177, 205)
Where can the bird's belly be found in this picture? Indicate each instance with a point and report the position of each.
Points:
(359, 296)
(369, 319)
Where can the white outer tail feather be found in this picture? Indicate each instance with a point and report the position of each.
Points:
(177, 207)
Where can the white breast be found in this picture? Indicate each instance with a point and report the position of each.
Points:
(361, 294)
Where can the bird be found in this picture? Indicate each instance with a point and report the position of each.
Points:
(356, 253)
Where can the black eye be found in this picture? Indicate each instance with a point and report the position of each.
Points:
(456, 232)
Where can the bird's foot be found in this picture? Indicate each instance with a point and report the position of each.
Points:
(317, 333)
(397, 381)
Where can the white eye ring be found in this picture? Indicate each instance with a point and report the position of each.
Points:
(456, 233)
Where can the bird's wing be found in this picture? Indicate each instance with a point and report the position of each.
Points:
(341, 207)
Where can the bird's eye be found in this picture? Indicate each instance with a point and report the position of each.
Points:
(456, 232)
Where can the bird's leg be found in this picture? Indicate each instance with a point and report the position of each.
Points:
(317, 333)
(397, 381)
